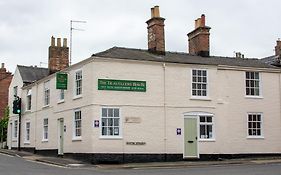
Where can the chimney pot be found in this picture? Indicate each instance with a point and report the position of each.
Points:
(278, 47)
(64, 42)
(52, 41)
(3, 65)
(202, 24)
(58, 42)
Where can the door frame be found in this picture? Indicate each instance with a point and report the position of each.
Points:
(184, 143)
(60, 133)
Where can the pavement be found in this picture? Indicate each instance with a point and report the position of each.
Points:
(71, 163)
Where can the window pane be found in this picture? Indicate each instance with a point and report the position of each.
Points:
(202, 131)
(116, 122)
(110, 112)
(209, 119)
(209, 131)
(104, 122)
(202, 119)
(116, 131)
(116, 112)
(110, 122)
(104, 131)
(104, 112)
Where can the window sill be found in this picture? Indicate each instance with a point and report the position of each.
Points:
(44, 140)
(46, 106)
(26, 143)
(75, 139)
(255, 137)
(60, 101)
(207, 140)
(200, 98)
(14, 139)
(111, 137)
(77, 97)
(254, 97)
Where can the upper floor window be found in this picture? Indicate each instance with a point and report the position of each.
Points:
(47, 93)
(61, 94)
(15, 91)
(28, 100)
(252, 84)
(78, 82)
(199, 82)
(110, 122)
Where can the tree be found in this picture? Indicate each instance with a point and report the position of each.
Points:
(4, 125)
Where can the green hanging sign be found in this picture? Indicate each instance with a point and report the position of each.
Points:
(61, 81)
(121, 85)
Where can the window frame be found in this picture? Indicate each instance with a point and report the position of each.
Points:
(120, 136)
(28, 100)
(60, 92)
(260, 84)
(207, 85)
(27, 133)
(74, 137)
(47, 93)
(45, 131)
(261, 136)
(75, 84)
(206, 123)
(15, 129)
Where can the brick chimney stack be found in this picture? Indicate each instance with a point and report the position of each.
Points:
(278, 47)
(58, 55)
(199, 38)
(155, 28)
(5, 80)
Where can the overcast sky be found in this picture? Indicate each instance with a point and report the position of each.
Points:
(26, 26)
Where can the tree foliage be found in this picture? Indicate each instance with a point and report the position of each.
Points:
(4, 125)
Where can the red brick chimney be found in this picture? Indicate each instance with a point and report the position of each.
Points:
(5, 80)
(58, 55)
(155, 28)
(198, 39)
(278, 47)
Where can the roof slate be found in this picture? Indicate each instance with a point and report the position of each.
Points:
(182, 58)
(30, 74)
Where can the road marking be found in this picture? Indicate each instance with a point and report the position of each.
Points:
(6, 155)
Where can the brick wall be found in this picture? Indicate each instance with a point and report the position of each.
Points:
(5, 80)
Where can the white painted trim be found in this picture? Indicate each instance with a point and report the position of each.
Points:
(260, 96)
(197, 113)
(262, 123)
(74, 85)
(207, 90)
(25, 133)
(120, 136)
(73, 125)
(43, 139)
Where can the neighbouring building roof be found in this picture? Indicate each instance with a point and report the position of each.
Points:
(271, 60)
(182, 58)
(30, 74)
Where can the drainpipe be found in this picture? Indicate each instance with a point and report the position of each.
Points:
(164, 105)
(35, 119)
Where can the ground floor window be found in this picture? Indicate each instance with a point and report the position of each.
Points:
(110, 122)
(27, 132)
(15, 135)
(254, 124)
(206, 127)
(77, 124)
(45, 129)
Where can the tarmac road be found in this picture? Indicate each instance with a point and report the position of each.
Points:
(13, 165)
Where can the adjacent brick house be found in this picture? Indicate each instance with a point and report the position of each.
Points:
(5, 80)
